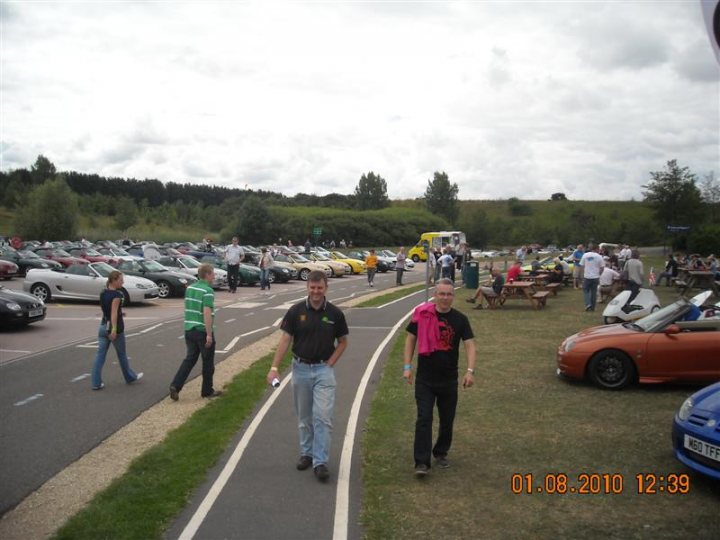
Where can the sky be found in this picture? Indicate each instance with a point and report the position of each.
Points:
(510, 99)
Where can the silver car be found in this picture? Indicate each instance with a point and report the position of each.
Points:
(84, 282)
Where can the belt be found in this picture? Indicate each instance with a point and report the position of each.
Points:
(306, 361)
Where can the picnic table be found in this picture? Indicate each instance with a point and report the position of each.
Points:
(698, 279)
(524, 290)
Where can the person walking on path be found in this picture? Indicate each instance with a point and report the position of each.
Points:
(437, 328)
(112, 330)
(371, 262)
(266, 261)
(318, 332)
(234, 255)
(400, 266)
(199, 334)
(446, 262)
(592, 265)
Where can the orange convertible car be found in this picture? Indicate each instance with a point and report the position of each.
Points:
(661, 347)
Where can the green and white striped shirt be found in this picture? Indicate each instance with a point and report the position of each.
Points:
(198, 296)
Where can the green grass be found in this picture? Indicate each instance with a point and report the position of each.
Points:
(157, 486)
(521, 419)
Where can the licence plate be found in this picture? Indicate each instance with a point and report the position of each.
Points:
(35, 312)
(708, 450)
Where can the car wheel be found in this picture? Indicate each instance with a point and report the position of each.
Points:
(164, 289)
(271, 277)
(416, 258)
(41, 291)
(304, 274)
(611, 370)
(654, 309)
(126, 296)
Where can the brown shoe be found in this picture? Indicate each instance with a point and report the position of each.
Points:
(215, 393)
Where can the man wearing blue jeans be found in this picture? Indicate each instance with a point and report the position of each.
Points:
(318, 332)
(592, 264)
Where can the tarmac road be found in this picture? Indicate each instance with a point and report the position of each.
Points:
(51, 417)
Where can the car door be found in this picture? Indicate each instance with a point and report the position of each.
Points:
(687, 355)
(80, 281)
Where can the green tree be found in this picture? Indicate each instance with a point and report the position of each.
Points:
(710, 189)
(558, 197)
(254, 221)
(126, 213)
(51, 212)
(42, 170)
(674, 197)
(371, 192)
(441, 197)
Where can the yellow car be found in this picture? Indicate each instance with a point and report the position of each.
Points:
(357, 266)
(339, 268)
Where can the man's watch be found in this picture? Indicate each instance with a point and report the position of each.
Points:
(471, 371)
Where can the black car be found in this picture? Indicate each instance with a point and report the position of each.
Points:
(19, 308)
(26, 260)
(278, 273)
(169, 282)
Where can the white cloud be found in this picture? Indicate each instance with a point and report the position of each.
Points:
(510, 99)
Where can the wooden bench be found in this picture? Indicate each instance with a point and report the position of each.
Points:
(552, 287)
(680, 284)
(540, 298)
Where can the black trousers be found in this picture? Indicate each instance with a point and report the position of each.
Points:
(195, 344)
(427, 394)
(233, 270)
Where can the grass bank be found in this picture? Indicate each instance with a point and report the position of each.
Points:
(521, 419)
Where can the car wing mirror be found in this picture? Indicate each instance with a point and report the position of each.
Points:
(672, 329)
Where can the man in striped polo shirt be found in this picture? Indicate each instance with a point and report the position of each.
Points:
(199, 336)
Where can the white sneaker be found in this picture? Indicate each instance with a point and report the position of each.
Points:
(137, 377)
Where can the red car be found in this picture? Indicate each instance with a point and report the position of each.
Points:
(8, 269)
(59, 255)
(91, 255)
(662, 347)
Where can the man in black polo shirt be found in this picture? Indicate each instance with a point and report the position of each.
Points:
(318, 332)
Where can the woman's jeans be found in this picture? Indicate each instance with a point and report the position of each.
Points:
(264, 278)
(103, 346)
(314, 394)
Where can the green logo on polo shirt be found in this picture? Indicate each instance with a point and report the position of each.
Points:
(326, 320)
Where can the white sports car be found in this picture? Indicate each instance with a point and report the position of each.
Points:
(84, 282)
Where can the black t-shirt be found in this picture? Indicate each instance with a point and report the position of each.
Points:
(314, 331)
(106, 299)
(442, 365)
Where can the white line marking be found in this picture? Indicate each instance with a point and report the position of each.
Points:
(254, 331)
(28, 400)
(232, 343)
(92, 345)
(230, 320)
(342, 497)
(12, 350)
(277, 322)
(80, 377)
(194, 524)
(151, 328)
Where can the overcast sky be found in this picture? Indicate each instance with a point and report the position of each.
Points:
(511, 99)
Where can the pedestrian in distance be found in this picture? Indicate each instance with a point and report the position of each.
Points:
(112, 330)
(371, 262)
(577, 269)
(266, 261)
(400, 265)
(318, 333)
(437, 329)
(446, 262)
(592, 265)
(199, 334)
(234, 255)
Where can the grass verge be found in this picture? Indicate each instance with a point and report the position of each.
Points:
(142, 502)
(521, 419)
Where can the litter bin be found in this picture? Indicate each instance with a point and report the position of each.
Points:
(471, 274)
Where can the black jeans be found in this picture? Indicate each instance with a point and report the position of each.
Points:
(233, 270)
(195, 344)
(634, 289)
(398, 278)
(445, 394)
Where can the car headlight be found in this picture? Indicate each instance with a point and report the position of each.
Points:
(183, 281)
(285, 271)
(13, 306)
(685, 409)
(142, 286)
(569, 345)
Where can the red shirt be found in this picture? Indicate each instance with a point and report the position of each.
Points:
(514, 272)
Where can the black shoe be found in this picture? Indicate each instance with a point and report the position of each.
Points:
(322, 473)
(174, 394)
(215, 393)
(421, 470)
(442, 462)
(303, 463)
